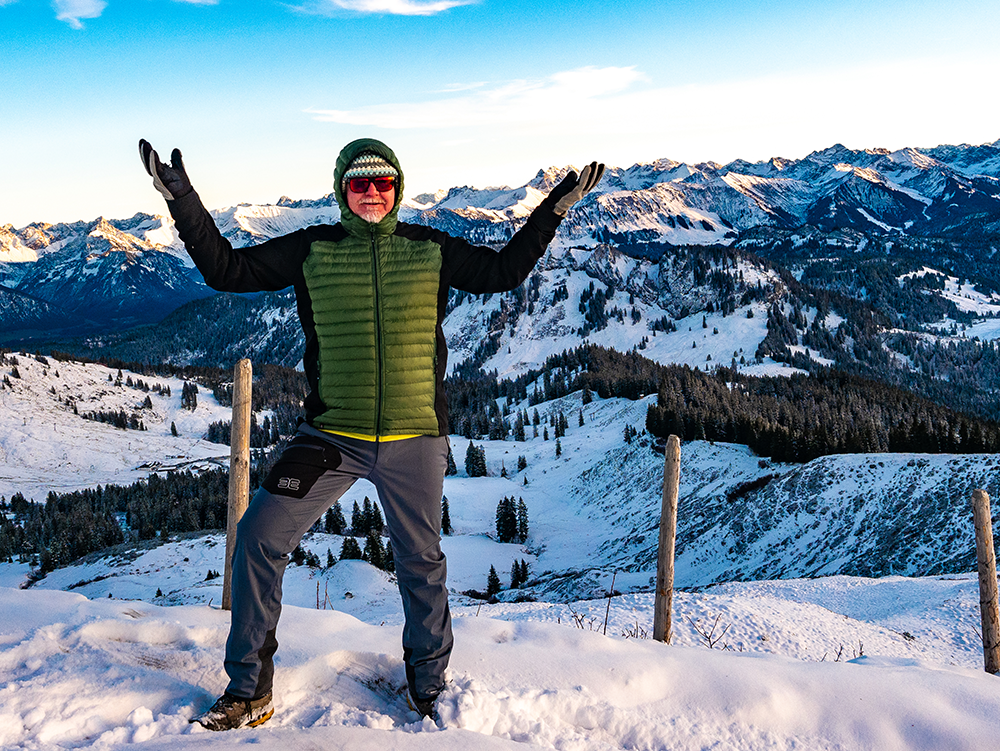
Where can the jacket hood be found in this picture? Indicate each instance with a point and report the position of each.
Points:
(351, 221)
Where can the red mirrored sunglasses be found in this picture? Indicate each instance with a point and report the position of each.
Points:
(382, 184)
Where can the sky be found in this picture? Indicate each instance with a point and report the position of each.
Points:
(261, 95)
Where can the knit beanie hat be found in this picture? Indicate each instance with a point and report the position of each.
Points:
(367, 164)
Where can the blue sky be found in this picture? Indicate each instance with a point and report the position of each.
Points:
(261, 95)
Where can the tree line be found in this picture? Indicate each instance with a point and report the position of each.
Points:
(794, 418)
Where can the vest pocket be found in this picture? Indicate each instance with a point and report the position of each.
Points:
(300, 466)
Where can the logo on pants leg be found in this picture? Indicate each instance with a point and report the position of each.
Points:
(288, 483)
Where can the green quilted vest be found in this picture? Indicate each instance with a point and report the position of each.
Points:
(374, 302)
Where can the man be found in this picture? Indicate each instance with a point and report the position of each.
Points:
(371, 293)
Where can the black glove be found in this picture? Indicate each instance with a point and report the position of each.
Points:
(571, 189)
(169, 179)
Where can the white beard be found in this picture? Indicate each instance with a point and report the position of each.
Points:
(371, 214)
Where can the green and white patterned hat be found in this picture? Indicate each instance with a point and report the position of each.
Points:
(367, 164)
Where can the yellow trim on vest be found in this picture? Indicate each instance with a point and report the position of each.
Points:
(371, 438)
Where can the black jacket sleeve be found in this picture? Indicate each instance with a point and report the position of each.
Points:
(269, 266)
(477, 269)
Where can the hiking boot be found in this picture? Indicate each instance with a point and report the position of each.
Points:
(423, 707)
(231, 712)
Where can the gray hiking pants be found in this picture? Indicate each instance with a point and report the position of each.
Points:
(314, 471)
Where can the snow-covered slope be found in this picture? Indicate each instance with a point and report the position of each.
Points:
(45, 446)
(594, 508)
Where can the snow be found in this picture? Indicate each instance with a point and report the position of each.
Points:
(969, 299)
(799, 349)
(875, 221)
(530, 339)
(966, 297)
(44, 446)
(788, 673)
(126, 646)
(988, 330)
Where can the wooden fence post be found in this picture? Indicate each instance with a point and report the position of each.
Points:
(239, 467)
(987, 560)
(668, 532)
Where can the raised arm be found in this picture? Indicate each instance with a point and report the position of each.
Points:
(477, 269)
(269, 266)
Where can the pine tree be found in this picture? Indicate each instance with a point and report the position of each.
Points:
(374, 552)
(519, 428)
(334, 522)
(451, 469)
(522, 520)
(475, 461)
(189, 395)
(367, 515)
(522, 463)
(445, 516)
(350, 550)
(558, 448)
(518, 573)
(389, 562)
(357, 521)
(506, 520)
(493, 585)
(330, 560)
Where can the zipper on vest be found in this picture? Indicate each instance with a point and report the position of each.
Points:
(378, 333)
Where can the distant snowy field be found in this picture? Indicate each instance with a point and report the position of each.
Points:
(44, 446)
(123, 648)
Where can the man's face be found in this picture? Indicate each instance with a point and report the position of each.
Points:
(371, 205)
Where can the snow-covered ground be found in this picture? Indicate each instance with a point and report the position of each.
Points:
(986, 330)
(841, 663)
(701, 340)
(45, 446)
(124, 647)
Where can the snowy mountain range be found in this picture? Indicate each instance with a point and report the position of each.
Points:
(114, 273)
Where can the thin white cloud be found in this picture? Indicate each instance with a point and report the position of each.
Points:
(754, 118)
(511, 103)
(450, 88)
(71, 11)
(392, 7)
(7, 2)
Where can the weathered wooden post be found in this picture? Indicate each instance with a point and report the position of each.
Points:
(987, 560)
(239, 467)
(668, 532)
